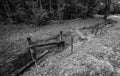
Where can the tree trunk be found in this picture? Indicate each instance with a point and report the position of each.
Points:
(107, 8)
(40, 4)
(50, 5)
(60, 6)
(7, 6)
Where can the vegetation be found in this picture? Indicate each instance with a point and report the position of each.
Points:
(41, 11)
(96, 48)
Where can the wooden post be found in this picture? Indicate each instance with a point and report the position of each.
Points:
(31, 51)
(71, 44)
(61, 35)
(29, 41)
(33, 55)
(62, 43)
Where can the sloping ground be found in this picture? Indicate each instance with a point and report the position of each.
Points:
(13, 37)
(14, 43)
(97, 57)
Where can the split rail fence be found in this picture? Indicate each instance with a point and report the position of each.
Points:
(33, 54)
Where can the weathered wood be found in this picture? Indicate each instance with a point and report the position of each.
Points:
(61, 44)
(43, 54)
(33, 55)
(31, 51)
(47, 44)
(71, 44)
(61, 34)
(29, 41)
(24, 68)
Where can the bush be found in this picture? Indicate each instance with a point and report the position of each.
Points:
(39, 17)
(115, 8)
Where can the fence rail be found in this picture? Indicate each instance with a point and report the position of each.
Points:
(33, 54)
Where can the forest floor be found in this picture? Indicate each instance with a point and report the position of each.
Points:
(13, 42)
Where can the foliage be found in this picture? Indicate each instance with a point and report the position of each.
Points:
(116, 8)
(41, 11)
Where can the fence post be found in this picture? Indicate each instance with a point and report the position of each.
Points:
(61, 44)
(71, 44)
(61, 33)
(31, 51)
(29, 41)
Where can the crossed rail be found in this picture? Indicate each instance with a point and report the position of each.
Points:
(60, 43)
(33, 56)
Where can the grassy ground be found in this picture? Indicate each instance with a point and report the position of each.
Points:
(13, 42)
(98, 57)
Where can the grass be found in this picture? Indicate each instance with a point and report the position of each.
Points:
(98, 57)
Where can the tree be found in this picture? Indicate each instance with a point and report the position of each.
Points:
(107, 8)
(8, 8)
(60, 5)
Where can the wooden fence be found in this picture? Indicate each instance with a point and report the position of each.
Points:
(33, 54)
